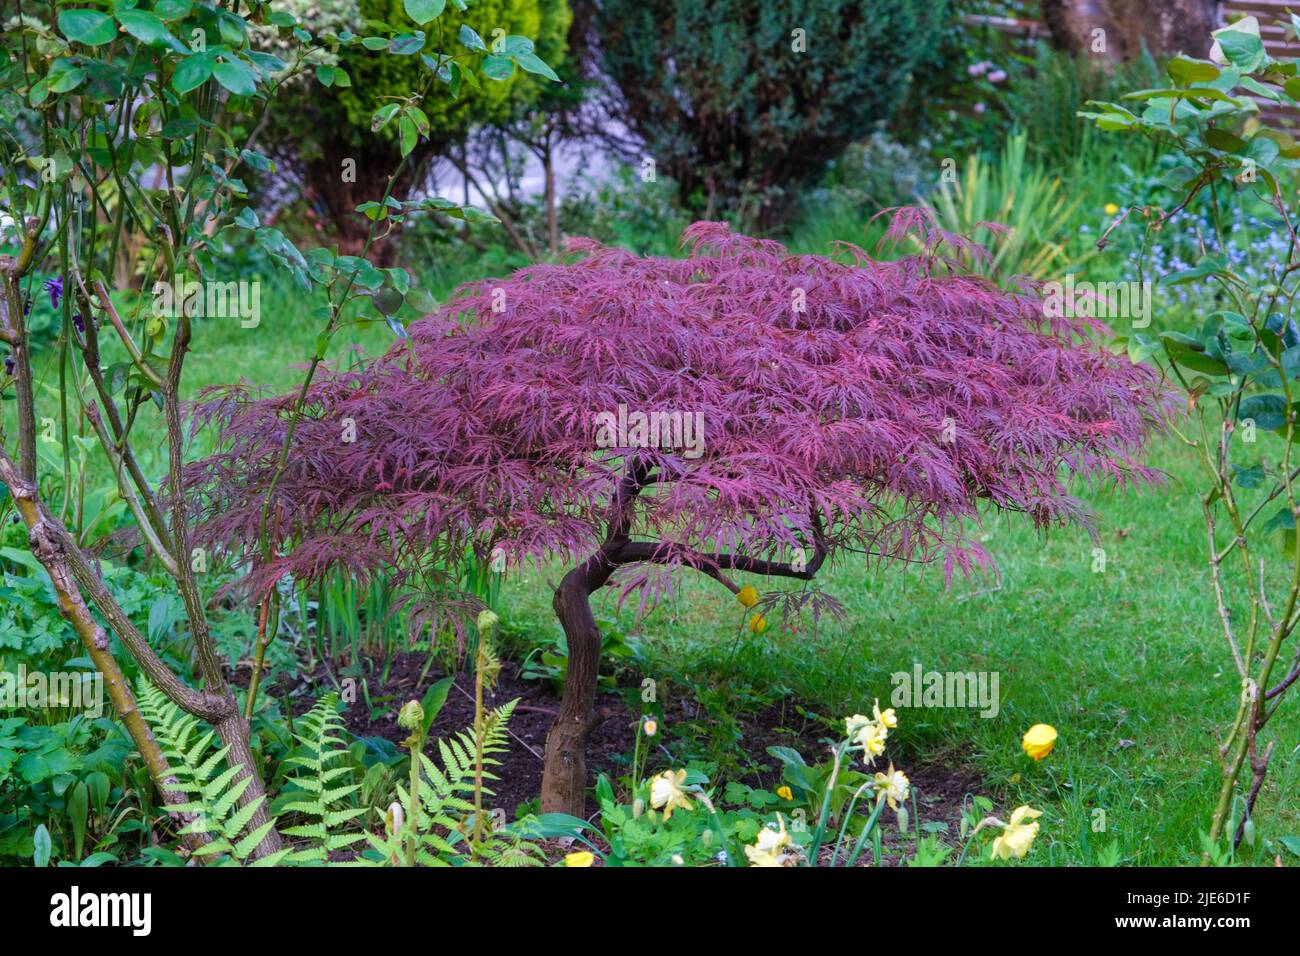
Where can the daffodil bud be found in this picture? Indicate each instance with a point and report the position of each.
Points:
(650, 726)
(747, 596)
(394, 818)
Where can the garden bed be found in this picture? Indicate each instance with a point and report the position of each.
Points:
(939, 790)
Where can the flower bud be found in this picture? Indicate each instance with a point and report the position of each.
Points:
(411, 716)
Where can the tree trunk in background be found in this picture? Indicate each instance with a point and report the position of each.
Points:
(1166, 26)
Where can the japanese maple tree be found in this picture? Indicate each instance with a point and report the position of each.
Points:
(845, 404)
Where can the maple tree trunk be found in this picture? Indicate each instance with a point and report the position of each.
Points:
(564, 776)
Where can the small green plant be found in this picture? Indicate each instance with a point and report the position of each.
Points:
(1039, 215)
(322, 755)
(213, 786)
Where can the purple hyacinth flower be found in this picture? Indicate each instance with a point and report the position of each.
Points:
(9, 364)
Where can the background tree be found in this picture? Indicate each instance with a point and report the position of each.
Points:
(1166, 27)
(320, 133)
(741, 102)
(842, 408)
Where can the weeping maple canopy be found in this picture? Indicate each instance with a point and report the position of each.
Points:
(848, 403)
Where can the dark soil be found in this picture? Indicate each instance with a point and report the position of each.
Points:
(939, 790)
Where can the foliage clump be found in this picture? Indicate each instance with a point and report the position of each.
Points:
(887, 397)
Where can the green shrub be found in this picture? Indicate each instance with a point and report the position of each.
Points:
(739, 107)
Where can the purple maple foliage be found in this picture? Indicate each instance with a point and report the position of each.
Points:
(839, 405)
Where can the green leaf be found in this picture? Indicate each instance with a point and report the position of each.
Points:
(424, 11)
(1267, 411)
(237, 77)
(1225, 140)
(87, 27)
(387, 301)
(406, 44)
(1251, 477)
(434, 699)
(66, 81)
(146, 28)
(1184, 70)
(407, 133)
(470, 39)
(1241, 49)
(382, 116)
(515, 45)
(498, 67)
(192, 72)
(173, 9)
(78, 812)
(41, 846)
(534, 64)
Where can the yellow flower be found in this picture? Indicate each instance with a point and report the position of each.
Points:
(770, 849)
(581, 858)
(757, 624)
(869, 735)
(747, 596)
(1016, 836)
(1039, 740)
(887, 719)
(650, 726)
(785, 793)
(892, 786)
(1111, 209)
(666, 793)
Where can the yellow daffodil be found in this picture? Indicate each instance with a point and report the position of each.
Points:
(887, 719)
(1016, 836)
(893, 786)
(1111, 209)
(747, 596)
(853, 725)
(580, 858)
(1039, 740)
(666, 793)
(772, 846)
(785, 793)
(872, 737)
(650, 726)
(757, 624)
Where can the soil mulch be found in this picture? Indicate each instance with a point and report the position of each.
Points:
(940, 790)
